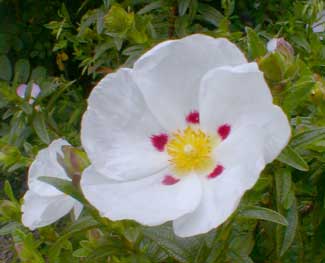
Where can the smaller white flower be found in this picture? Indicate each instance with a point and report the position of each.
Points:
(319, 26)
(43, 203)
(21, 92)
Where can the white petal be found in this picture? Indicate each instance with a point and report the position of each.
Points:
(220, 199)
(242, 159)
(35, 90)
(239, 96)
(272, 44)
(146, 200)
(21, 89)
(117, 127)
(39, 211)
(169, 74)
(319, 26)
(273, 127)
(77, 209)
(46, 164)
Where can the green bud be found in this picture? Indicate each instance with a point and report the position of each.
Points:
(94, 234)
(74, 161)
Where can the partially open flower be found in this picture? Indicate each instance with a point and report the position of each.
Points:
(43, 203)
(282, 46)
(181, 136)
(21, 92)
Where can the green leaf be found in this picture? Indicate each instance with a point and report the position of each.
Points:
(81, 252)
(5, 66)
(39, 74)
(308, 137)
(183, 6)
(81, 225)
(40, 128)
(228, 6)
(9, 192)
(263, 213)
(291, 157)
(64, 186)
(149, 7)
(283, 185)
(235, 257)
(272, 66)
(5, 43)
(291, 229)
(256, 47)
(22, 69)
(209, 14)
(183, 250)
(118, 21)
(296, 95)
(9, 228)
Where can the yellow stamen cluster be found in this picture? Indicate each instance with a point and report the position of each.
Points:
(190, 150)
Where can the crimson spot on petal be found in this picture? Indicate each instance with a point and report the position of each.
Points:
(159, 141)
(224, 131)
(169, 180)
(216, 171)
(193, 117)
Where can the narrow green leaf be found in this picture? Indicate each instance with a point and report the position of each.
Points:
(296, 96)
(5, 66)
(22, 69)
(209, 14)
(9, 228)
(100, 21)
(40, 128)
(308, 137)
(235, 257)
(228, 6)
(256, 47)
(183, 6)
(263, 213)
(183, 250)
(9, 192)
(64, 186)
(291, 229)
(283, 185)
(149, 7)
(291, 157)
(82, 224)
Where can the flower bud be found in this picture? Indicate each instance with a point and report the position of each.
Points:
(34, 92)
(282, 46)
(94, 234)
(74, 161)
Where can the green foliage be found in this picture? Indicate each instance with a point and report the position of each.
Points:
(65, 47)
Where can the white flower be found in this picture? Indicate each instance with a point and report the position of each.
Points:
(319, 26)
(181, 136)
(43, 203)
(21, 92)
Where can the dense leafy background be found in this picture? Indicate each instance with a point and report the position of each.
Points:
(67, 46)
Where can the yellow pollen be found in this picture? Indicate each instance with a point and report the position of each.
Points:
(191, 150)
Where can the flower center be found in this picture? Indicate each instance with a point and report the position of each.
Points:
(191, 150)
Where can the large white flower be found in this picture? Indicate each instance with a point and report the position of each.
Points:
(181, 136)
(43, 203)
